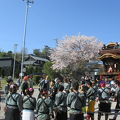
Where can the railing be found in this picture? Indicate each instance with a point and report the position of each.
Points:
(114, 51)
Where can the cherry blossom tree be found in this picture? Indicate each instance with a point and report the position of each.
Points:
(74, 50)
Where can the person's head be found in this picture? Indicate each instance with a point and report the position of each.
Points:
(82, 83)
(13, 88)
(16, 86)
(61, 88)
(10, 81)
(44, 93)
(60, 79)
(94, 82)
(52, 83)
(30, 91)
(25, 78)
(75, 86)
(89, 84)
(102, 84)
(66, 80)
(46, 78)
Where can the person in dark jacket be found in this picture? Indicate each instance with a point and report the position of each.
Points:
(24, 85)
(13, 104)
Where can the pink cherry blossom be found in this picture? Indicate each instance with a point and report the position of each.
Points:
(73, 50)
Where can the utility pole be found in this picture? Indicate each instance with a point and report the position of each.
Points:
(28, 2)
(15, 48)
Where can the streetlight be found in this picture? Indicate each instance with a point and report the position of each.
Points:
(15, 48)
(28, 2)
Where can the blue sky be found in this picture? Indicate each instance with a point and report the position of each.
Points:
(49, 20)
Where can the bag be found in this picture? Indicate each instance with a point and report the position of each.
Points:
(104, 107)
(90, 107)
(85, 109)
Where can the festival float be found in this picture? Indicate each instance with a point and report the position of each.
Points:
(110, 56)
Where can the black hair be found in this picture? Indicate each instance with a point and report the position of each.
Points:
(75, 85)
(13, 88)
(53, 81)
(89, 83)
(61, 88)
(29, 92)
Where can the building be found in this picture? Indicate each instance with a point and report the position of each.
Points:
(33, 65)
(34, 61)
(7, 63)
(6, 66)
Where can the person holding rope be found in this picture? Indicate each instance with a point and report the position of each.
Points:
(24, 85)
(44, 106)
(60, 104)
(29, 105)
(13, 106)
(52, 91)
(91, 95)
(104, 101)
(117, 99)
(76, 101)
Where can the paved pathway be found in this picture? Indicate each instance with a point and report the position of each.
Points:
(36, 94)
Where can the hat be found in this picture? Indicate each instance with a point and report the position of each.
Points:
(25, 78)
(44, 92)
(30, 89)
(102, 84)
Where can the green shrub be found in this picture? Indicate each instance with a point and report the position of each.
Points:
(36, 78)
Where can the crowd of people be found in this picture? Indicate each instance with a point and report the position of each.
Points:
(61, 99)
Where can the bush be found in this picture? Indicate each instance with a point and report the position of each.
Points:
(36, 78)
(47, 69)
